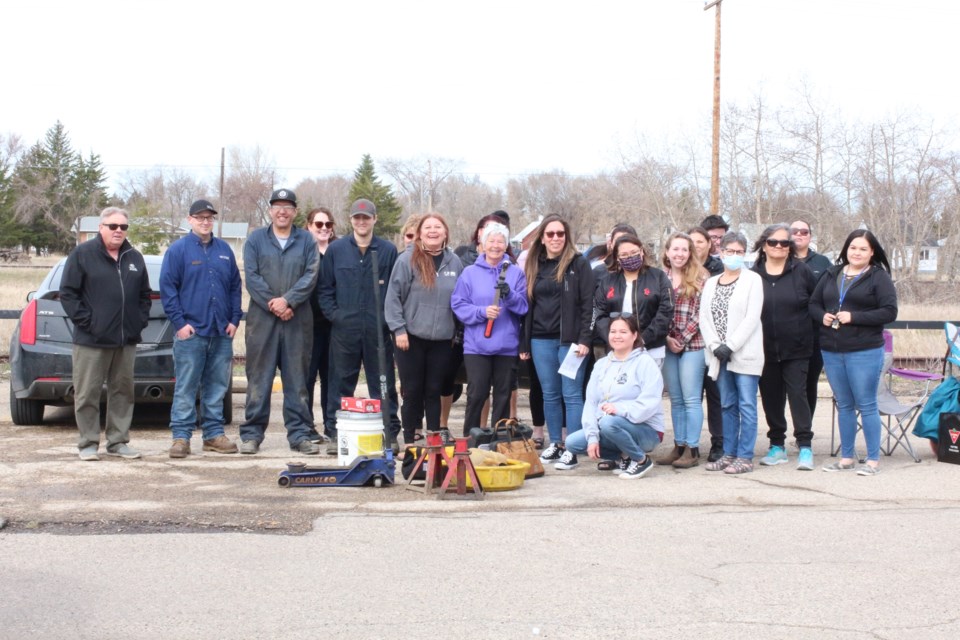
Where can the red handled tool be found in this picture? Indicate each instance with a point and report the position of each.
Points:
(496, 295)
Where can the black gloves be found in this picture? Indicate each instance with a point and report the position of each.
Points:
(504, 289)
(723, 353)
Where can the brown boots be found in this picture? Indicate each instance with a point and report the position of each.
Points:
(690, 458)
(672, 456)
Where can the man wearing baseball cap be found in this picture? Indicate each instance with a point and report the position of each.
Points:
(280, 265)
(347, 299)
(200, 290)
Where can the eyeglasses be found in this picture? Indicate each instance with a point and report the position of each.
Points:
(783, 244)
(800, 232)
(203, 219)
(734, 252)
(618, 314)
(716, 238)
(320, 224)
(555, 234)
(113, 226)
(409, 236)
(282, 207)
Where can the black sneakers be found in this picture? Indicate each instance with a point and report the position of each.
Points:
(637, 469)
(567, 461)
(552, 453)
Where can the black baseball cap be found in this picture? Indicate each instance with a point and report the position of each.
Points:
(284, 194)
(200, 206)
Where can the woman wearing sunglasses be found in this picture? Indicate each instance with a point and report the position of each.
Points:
(787, 344)
(730, 309)
(409, 230)
(417, 311)
(320, 224)
(560, 312)
(631, 286)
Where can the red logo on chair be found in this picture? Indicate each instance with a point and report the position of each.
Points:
(954, 434)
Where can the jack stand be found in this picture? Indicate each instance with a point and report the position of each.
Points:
(434, 454)
(460, 466)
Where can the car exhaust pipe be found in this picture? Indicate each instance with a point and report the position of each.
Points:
(155, 392)
(69, 394)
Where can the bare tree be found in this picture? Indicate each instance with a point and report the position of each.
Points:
(251, 175)
(418, 180)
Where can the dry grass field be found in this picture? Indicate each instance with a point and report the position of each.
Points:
(16, 282)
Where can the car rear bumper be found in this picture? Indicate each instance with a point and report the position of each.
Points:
(61, 391)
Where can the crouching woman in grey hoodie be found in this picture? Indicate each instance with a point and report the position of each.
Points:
(623, 410)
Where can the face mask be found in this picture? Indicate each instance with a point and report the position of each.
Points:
(633, 263)
(733, 263)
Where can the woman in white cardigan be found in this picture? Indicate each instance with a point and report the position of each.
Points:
(730, 323)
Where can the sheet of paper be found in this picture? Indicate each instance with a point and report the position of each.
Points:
(571, 363)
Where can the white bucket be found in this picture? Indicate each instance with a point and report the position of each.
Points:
(358, 434)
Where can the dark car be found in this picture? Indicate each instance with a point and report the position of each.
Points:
(41, 362)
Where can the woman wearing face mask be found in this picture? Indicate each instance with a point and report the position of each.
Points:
(730, 309)
(630, 286)
(417, 311)
(787, 344)
(852, 302)
(321, 226)
(684, 365)
(560, 295)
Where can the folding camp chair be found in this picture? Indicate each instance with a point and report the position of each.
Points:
(897, 415)
(951, 361)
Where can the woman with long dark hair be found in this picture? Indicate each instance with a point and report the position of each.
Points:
(787, 344)
(852, 303)
(632, 286)
(560, 313)
(418, 312)
(324, 230)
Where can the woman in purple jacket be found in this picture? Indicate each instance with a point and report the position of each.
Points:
(490, 357)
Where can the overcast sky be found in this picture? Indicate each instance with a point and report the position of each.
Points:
(506, 87)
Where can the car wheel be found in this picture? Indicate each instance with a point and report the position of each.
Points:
(25, 412)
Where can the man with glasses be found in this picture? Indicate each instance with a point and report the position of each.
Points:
(716, 227)
(347, 299)
(819, 264)
(105, 291)
(280, 265)
(200, 289)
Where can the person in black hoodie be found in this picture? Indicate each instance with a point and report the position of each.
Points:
(787, 343)
(560, 293)
(714, 265)
(852, 303)
(105, 291)
(650, 298)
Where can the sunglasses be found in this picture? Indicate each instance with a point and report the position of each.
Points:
(555, 234)
(113, 226)
(625, 314)
(320, 224)
(800, 232)
(783, 244)
(409, 236)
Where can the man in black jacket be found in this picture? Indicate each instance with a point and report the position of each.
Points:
(105, 291)
(716, 227)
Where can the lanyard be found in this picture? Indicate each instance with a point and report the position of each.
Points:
(844, 290)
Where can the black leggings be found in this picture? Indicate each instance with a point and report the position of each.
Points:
(482, 373)
(423, 368)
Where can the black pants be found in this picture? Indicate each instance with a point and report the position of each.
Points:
(423, 368)
(813, 378)
(349, 348)
(714, 410)
(482, 373)
(536, 396)
(320, 367)
(780, 382)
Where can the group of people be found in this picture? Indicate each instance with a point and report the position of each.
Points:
(602, 334)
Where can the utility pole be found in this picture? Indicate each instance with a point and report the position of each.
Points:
(223, 155)
(715, 174)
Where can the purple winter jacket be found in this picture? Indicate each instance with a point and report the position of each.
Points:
(471, 297)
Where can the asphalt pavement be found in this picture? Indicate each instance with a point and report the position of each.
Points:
(212, 547)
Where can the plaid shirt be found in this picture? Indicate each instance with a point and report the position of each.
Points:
(685, 326)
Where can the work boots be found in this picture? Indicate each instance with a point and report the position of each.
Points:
(673, 456)
(690, 458)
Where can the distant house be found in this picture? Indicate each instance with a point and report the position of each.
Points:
(234, 233)
(927, 260)
(86, 228)
(525, 237)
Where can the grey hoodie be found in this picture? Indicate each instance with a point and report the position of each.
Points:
(412, 308)
(634, 386)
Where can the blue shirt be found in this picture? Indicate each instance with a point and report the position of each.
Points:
(200, 285)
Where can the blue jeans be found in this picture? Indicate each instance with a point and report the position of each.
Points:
(203, 367)
(738, 395)
(854, 378)
(559, 392)
(618, 437)
(683, 375)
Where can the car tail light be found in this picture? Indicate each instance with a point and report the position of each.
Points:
(154, 296)
(28, 324)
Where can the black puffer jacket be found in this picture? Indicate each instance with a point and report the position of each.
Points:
(108, 300)
(787, 335)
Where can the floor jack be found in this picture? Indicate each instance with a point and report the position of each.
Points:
(459, 466)
(364, 471)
